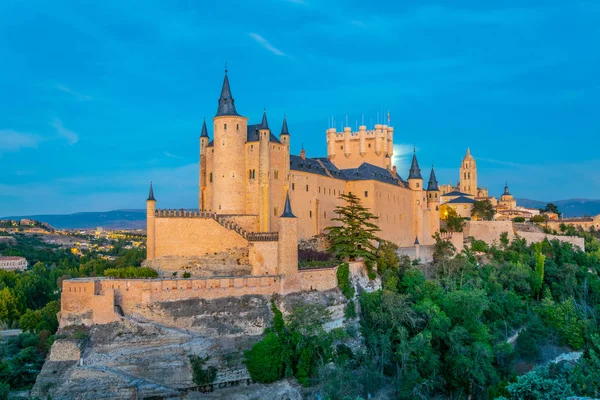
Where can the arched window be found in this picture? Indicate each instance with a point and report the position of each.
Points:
(225, 126)
(210, 177)
(237, 126)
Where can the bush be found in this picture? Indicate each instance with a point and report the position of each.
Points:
(479, 245)
(538, 219)
(265, 359)
(4, 391)
(202, 376)
(518, 219)
(131, 272)
(186, 274)
(350, 311)
(343, 278)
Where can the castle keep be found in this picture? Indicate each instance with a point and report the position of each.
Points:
(246, 171)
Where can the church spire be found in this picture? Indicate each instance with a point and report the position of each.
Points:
(415, 171)
(226, 102)
(284, 128)
(151, 194)
(287, 210)
(433, 183)
(264, 124)
(204, 131)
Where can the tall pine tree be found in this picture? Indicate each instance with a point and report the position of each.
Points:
(355, 237)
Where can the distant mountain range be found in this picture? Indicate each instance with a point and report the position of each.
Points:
(117, 219)
(136, 219)
(569, 208)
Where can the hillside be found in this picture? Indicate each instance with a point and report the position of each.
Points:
(569, 207)
(116, 219)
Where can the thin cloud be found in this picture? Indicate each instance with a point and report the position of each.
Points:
(401, 157)
(172, 155)
(265, 43)
(11, 140)
(78, 96)
(69, 135)
(296, 1)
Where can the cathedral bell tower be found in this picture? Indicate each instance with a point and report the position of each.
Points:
(468, 174)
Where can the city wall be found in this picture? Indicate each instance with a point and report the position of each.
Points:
(534, 237)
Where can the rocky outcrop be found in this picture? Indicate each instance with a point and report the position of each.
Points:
(146, 353)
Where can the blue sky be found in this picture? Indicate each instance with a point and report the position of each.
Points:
(99, 99)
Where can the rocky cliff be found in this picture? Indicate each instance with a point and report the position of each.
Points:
(145, 355)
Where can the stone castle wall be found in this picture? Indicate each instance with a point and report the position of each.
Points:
(186, 237)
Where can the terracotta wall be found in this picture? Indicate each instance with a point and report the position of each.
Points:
(318, 279)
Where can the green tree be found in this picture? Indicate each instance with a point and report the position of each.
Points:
(355, 236)
(454, 223)
(483, 210)
(538, 384)
(538, 272)
(551, 207)
(586, 375)
(343, 278)
(202, 376)
(9, 306)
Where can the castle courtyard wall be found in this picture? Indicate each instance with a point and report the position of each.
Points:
(186, 237)
(318, 279)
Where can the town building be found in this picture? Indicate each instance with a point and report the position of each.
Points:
(12, 263)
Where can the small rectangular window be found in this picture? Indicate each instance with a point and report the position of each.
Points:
(293, 186)
(307, 188)
(366, 194)
(310, 214)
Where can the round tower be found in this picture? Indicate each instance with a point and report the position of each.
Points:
(284, 137)
(468, 174)
(202, 176)
(150, 234)
(264, 178)
(229, 161)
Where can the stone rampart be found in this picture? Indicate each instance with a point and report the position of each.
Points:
(489, 231)
(185, 236)
(534, 237)
(318, 279)
(96, 300)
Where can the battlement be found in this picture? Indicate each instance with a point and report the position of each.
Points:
(355, 135)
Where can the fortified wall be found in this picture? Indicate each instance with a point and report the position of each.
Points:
(490, 232)
(103, 300)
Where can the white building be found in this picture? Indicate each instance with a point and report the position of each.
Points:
(13, 263)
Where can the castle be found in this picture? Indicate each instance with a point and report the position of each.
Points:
(246, 172)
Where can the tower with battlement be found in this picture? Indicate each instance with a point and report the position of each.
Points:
(349, 149)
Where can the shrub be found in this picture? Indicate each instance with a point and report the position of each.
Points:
(186, 274)
(518, 219)
(350, 311)
(479, 245)
(265, 359)
(131, 272)
(4, 391)
(343, 278)
(538, 219)
(202, 376)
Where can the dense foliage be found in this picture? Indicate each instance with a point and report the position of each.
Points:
(483, 210)
(296, 347)
(29, 300)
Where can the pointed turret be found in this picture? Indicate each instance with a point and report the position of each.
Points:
(264, 124)
(287, 210)
(506, 192)
(284, 128)
(433, 183)
(226, 102)
(416, 240)
(204, 131)
(151, 194)
(415, 171)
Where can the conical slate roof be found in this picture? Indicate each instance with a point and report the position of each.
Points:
(284, 128)
(151, 194)
(415, 171)
(287, 210)
(433, 183)
(226, 102)
(264, 124)
(204, 131)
